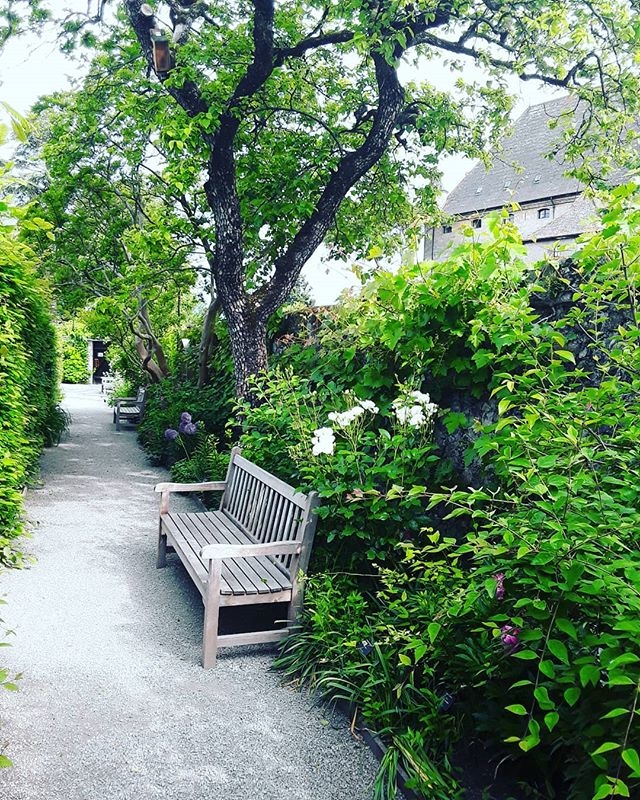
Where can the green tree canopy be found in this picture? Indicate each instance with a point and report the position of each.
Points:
(286, 125)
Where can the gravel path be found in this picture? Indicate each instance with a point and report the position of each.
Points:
(113, 703)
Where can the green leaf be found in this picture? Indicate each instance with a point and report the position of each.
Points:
(567, 355)
(567, 627)
(616, 712)
(571, 695)
(631, 759)
(546, 668)
(542, 696)
(551, 719)
(589, 674)
(518, 709)
(620, 680)
(605, 748)
(525, 655)
(433, 629)
(559, 650)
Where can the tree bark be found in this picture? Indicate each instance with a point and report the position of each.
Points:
(248, 336)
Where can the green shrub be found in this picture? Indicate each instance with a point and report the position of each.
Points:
(166, 401)
(74, 355)
(530, 625)
(29, 412)
(205, 462)
(352, 453)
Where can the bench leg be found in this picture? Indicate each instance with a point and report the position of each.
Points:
(162, 549)
(297, 597)
(211, 615)
(117, 419)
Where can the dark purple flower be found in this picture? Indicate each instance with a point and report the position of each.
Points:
(499, 579)
(170, 434)
(509, 637)
(185, 417)
(190, 428)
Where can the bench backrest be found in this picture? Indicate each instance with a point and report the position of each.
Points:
(268, 509)
(141, 399)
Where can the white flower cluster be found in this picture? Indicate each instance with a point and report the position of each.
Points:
(345, 418)
(323, 441)
(416, 409)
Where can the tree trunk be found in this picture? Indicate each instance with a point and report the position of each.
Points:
(248, 336)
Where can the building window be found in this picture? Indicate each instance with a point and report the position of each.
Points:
(476, 223)
(447, 228)
(544, 213)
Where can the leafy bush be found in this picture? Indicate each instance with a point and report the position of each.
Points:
(28, 383)
(352, 456)
(528, 628)
(204, 462)
(211, 406)
(74, 354)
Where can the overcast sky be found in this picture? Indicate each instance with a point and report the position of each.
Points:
(31, 67)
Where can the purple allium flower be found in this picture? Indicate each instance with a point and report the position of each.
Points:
(509, 637)
(185, 417)
(190, 428)
(499, 579)
(170, 434)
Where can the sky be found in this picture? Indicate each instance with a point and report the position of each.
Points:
(31, 67)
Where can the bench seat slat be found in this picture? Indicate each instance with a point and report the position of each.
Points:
(233, 579)
(260, 570)
(252, 575)
(271, 565)
(251, 579)
(182, 534)
(132, 410)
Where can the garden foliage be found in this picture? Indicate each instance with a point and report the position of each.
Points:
(499, 613)
(510, 615)
(29, 412)
(74, 339)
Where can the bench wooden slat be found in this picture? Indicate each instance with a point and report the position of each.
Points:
(246, 575)
(182, 532)
(270, 480)
(260, 569)
(234, 579)
(280, 577)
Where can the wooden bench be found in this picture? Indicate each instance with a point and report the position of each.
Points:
(107, 384)
(254, 549)
(129, 409)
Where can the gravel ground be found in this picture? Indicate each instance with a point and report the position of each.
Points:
(113, 703)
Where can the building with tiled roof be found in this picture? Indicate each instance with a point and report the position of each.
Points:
(548, 206)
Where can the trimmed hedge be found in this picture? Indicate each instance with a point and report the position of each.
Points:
(29, 413)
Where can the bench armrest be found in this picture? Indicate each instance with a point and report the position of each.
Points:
(119, 400)
(207, 486)
(167, 488)
(219, 551)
